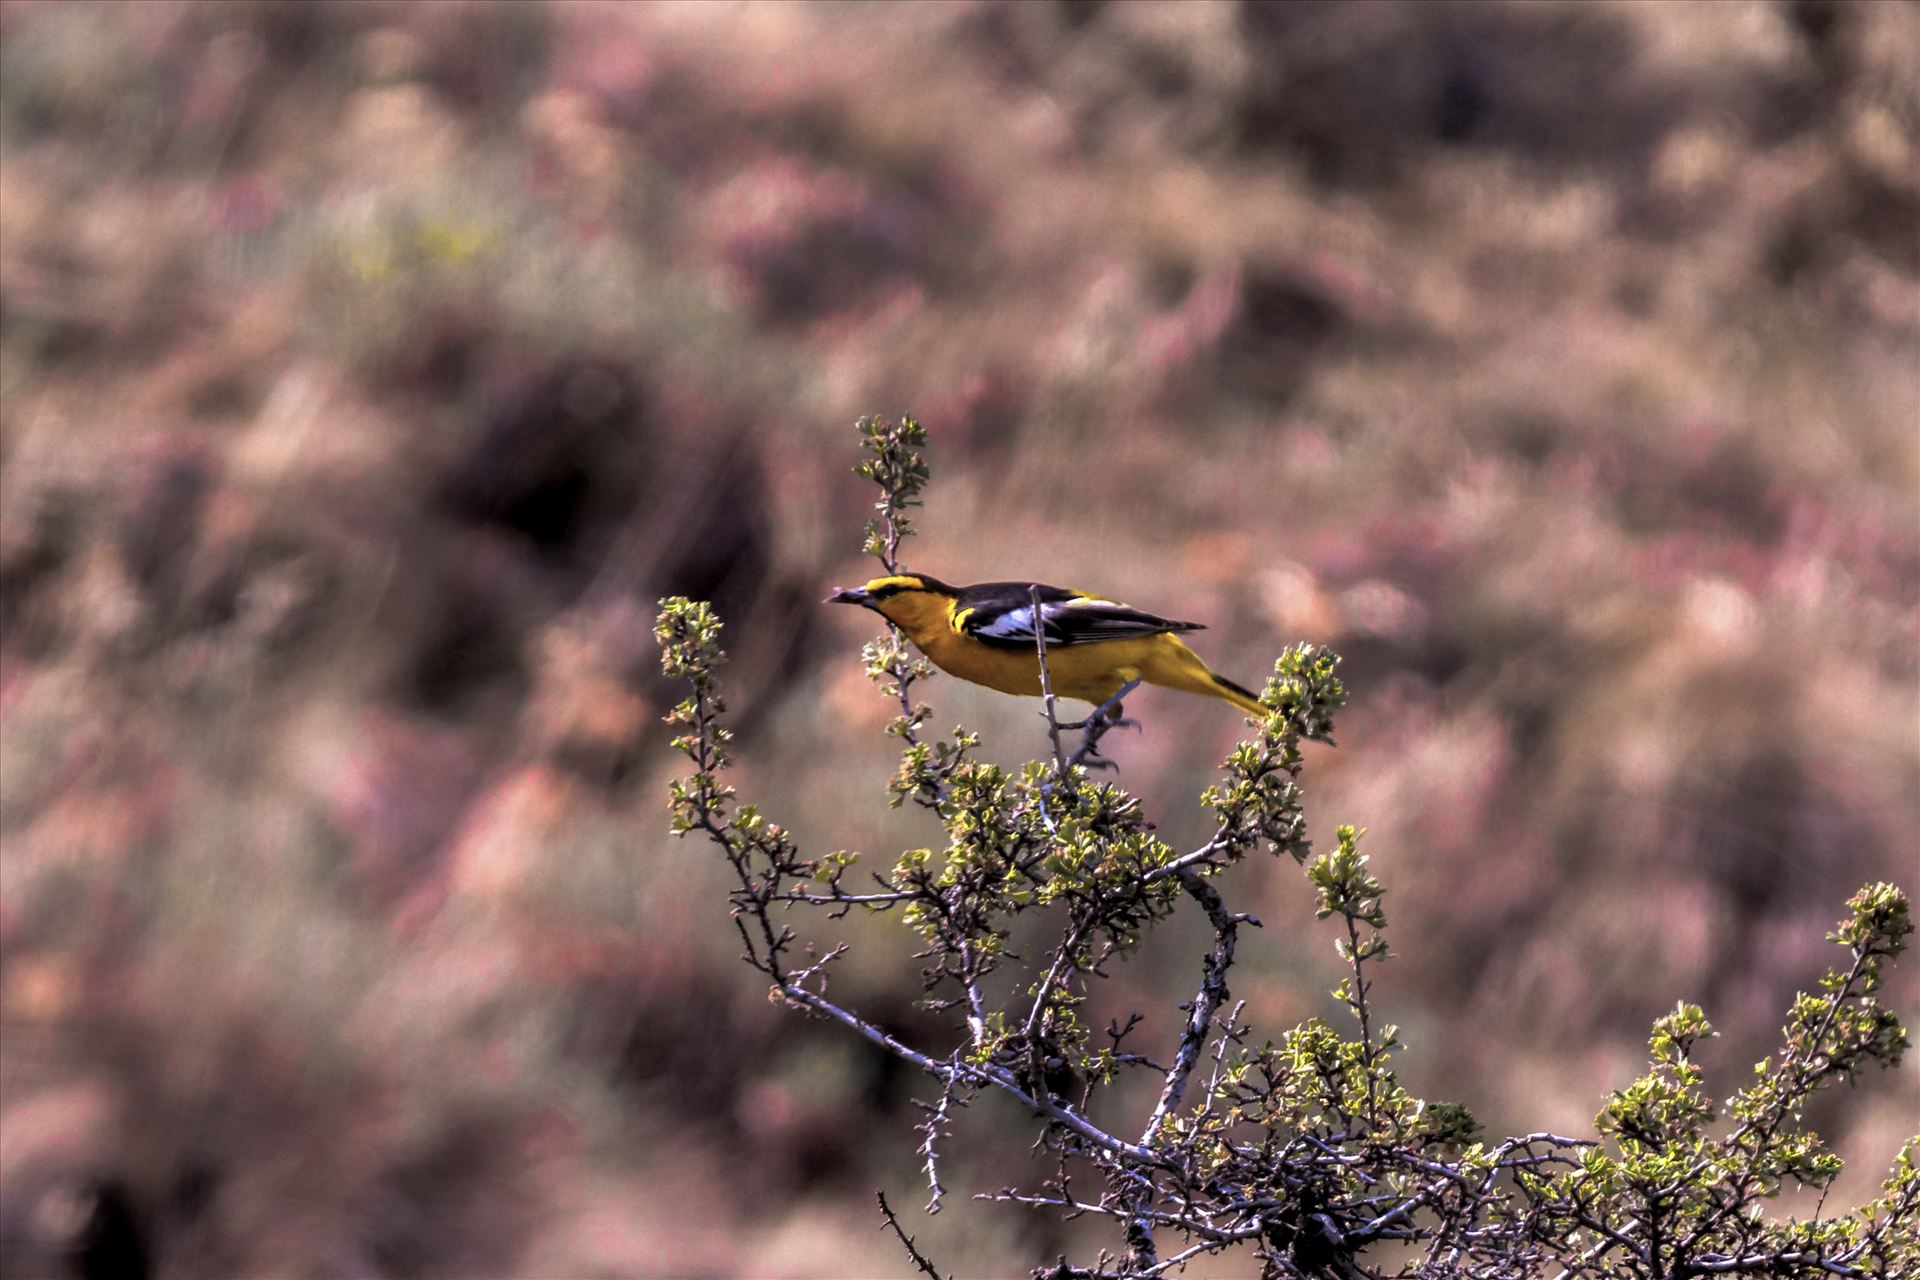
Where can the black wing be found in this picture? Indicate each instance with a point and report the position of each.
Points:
(1002, 614)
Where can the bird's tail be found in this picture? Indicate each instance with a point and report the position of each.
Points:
(1240, 697)
(1182, 668)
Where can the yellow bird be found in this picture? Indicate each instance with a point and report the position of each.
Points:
(1095, 647)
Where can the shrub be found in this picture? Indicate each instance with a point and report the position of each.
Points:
(1306, 1149)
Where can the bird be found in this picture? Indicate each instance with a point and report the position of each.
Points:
(1097, 648)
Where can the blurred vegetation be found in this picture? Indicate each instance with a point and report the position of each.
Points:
(366, 368)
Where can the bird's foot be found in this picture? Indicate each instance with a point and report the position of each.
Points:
(1108, 712)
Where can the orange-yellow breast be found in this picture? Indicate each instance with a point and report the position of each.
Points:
(1093, 671)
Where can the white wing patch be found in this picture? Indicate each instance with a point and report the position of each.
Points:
(1015, 624)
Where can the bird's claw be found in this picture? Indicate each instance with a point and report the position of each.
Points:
(1101, 723)
(1107, 716)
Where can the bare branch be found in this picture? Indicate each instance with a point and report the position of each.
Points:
(906, 1241)
(1046, 684)
(1206, 1000)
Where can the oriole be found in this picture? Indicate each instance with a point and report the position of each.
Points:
(1095, 646)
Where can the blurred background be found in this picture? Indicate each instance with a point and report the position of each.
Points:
(369, 369)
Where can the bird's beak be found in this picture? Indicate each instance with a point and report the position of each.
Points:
(850, 595)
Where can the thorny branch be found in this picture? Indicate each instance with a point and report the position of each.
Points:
(906, 1241)
(1206, 1001)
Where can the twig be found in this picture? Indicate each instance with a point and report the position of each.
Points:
(1579, 1265)
(1180, 864)
(1227, 1035)
(934, 1127)
(1763, 1125)
(1762, 1262)
(1046, 684)
(976, 1006)
(906, 1241)
(1370, 1054)
(845, 899)
(1056, 976)
(985, 1073)
(1185, 1256)
(1206, 1001)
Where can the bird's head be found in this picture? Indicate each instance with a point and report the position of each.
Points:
(905, 598)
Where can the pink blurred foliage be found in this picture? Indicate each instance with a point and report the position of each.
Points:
(369, 369)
